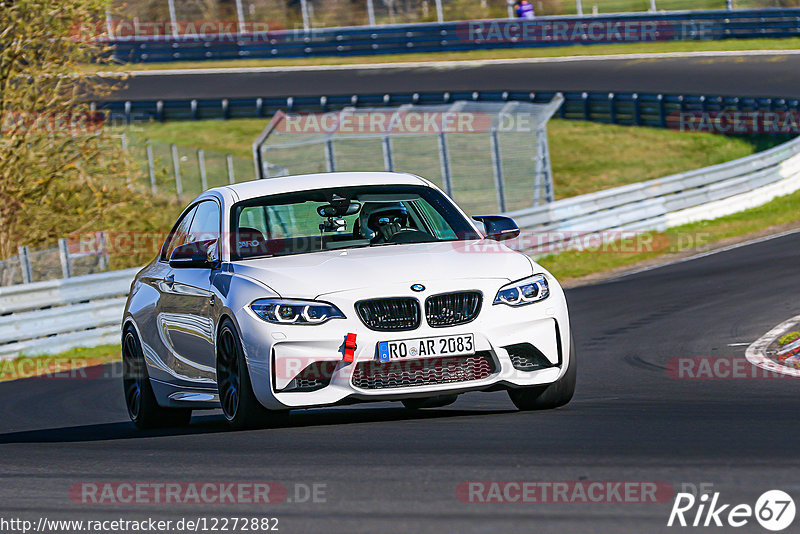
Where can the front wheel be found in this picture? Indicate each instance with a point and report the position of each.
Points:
(143, 409)
(239, 402)
(548, 396)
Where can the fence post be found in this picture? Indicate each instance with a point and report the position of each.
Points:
(201, 164)
(102, 251)
(444, 159)
(63, 252)
(497, 165)
(370, 13)
(151, 166)
(176, 168)
(240, 16)
(388, 157)
(172, 18)
(231, 176)
(124, 140)
(543, 173)
(439, 11)
(330, 155)
(304, 12)
(25, 265)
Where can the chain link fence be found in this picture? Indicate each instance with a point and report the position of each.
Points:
(228, 17)
(489, 157)
(71, 257)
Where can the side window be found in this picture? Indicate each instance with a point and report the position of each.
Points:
(180, 235)
(205, 225)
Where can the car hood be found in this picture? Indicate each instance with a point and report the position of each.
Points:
(318, 273)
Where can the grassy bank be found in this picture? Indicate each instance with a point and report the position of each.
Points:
(56, 365)
(509, 53)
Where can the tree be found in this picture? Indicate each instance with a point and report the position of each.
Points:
(60, 170)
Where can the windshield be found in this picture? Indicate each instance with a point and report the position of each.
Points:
(344, 217)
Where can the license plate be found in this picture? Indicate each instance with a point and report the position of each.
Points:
(426, 347)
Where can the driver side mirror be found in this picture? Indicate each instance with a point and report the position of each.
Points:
(200, 254)
(498, 227)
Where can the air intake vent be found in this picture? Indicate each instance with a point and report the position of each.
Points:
(526, 357)
(389, 314)
(451, 309)
(423, 372)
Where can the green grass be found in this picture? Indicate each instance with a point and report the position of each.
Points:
(686, 238)
(511, 53)
(50, 364)
(586, 156)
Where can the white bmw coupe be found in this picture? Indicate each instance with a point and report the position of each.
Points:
(337, 288)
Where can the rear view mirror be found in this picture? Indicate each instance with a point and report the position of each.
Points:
(338, 210)
(498, 227)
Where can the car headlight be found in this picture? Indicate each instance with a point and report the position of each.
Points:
(280, 311)
(525, 291)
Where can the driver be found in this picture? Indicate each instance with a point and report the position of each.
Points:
(379, 221)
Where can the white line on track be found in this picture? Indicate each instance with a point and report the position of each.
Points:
(756, 353)
(455, 64)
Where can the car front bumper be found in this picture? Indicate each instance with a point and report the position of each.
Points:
(276, 354)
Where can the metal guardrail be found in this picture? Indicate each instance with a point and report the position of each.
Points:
(57, 315)
(665, 202)
(465, 35)
(636, 109)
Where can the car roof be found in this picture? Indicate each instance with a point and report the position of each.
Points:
(305, 182)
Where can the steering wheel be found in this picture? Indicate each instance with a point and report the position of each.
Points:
(410, 235)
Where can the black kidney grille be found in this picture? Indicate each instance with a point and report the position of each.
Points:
(450, 309)
(390, 314)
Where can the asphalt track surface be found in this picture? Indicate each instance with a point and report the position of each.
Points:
(391, 470)
(735, 75)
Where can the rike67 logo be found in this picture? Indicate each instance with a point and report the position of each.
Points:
(774, 510)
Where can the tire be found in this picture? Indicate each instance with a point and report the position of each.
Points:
(548, 396)
(143, 409)
(239, 402)
(429, 402)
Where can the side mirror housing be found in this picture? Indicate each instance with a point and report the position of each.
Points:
(201, 254)
(498, 227)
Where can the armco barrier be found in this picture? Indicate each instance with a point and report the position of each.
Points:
(670, 201)
(48, 317)
(57, 315)
(636, 109)
(463, 35)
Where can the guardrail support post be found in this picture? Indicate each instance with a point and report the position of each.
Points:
(497, 166)
(587, 112)
(637, 110)
(612, 108)
(653, 5)
(173, 18)
(388, 157)
(330, 155)
(63, 253)
(439, 11)
(176, 169)
(231, 176)
(579, 7)
(662, 111)
(370, 13)
(240, 16)
(102, 251)
(201, 164)
(151, 166)
(25, 265)
(444, 160)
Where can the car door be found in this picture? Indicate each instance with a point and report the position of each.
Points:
(187, 301)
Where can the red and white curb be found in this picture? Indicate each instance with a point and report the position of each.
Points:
(756, 353)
